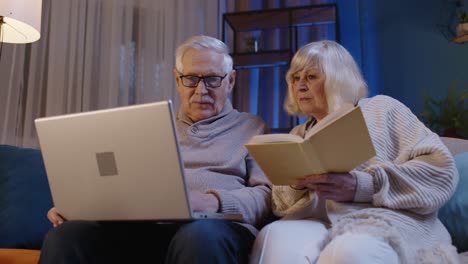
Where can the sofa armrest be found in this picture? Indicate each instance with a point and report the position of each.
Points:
(455, 145)
(19, 256)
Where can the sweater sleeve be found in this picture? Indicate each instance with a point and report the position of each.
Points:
(254, 200)
(413, 170)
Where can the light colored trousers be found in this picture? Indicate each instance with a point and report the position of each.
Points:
(299, 241)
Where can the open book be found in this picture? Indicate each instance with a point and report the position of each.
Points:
(338, 143)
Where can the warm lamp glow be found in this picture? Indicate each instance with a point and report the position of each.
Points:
(20, 20)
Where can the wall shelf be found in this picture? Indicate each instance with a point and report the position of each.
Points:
(449, 20)
(460, 39)
(260, 23)
(246, 60)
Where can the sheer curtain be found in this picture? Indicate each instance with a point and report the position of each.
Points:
(96, 54)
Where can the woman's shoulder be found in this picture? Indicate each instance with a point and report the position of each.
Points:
(300, 130)
(383, 102)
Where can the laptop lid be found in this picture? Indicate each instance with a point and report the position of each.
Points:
(115, 164)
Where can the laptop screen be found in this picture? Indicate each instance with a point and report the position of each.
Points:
(116, 164)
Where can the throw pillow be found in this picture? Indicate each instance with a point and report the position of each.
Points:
(24, 198)
(454, 215)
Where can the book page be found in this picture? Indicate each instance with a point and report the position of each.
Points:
(343, 144)
(272, 138)
(282, 162)
(330, 118)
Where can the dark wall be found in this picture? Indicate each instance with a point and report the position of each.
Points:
(401, 49)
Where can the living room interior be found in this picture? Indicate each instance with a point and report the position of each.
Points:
(99, 54)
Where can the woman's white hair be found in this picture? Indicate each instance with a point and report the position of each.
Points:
(344, 83)
(204, 42)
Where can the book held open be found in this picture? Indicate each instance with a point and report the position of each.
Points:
(338, 143)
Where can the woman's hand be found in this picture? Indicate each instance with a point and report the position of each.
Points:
(55, 217)
(339, 187)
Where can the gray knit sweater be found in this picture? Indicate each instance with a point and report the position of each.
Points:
(398, 191)
(216, 161)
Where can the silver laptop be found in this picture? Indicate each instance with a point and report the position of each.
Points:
(117, 164)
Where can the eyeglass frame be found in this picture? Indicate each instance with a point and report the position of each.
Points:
(181, 76)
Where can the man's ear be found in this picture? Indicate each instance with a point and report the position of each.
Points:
(177, 79)
(232, 80)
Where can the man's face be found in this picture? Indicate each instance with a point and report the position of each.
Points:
(202, 102)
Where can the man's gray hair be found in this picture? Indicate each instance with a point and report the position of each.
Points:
(344, 83)
(204, 42)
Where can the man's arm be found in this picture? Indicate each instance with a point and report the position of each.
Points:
(254, 200)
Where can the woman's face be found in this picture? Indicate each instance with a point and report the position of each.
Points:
(309, 93)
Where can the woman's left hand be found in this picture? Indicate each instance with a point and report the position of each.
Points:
(339, 187)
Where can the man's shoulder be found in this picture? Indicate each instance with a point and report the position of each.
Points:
(250, 119)
(250, 116)
(254, 118)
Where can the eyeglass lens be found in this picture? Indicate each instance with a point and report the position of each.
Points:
(210, 81)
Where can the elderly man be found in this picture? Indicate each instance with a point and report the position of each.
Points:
(221, 176)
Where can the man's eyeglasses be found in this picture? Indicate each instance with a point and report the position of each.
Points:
(209, 81)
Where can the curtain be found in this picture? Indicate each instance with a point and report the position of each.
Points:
(96, 54)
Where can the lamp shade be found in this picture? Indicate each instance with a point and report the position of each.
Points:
(21, 20)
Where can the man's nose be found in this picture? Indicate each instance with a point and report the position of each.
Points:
(201, 87)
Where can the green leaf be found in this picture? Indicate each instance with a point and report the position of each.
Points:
(450, 112)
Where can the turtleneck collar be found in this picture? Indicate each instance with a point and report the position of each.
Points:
(184, 118)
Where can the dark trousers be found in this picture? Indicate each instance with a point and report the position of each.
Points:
(203, 241)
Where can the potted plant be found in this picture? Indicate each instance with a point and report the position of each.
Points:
(448, 116)
(462, 27)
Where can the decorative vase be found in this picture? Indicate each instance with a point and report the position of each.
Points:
(462, 29)
(252, 44)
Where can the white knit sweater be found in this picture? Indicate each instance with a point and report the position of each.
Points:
(399, 191)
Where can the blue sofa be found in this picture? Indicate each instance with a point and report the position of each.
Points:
(25, 198)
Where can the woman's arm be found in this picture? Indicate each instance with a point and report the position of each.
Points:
(413, 170)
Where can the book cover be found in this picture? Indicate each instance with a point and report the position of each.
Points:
(338, 143)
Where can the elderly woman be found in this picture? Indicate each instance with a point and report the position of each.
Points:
(383, 211)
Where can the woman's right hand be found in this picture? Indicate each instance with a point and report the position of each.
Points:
(54, 217)
(339, 187)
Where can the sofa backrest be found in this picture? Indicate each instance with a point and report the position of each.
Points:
(454, 214)
(455, 145)
(24, 198)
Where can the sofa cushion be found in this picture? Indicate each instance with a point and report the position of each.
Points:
(454, 214)
(455, 145)
(24, 198)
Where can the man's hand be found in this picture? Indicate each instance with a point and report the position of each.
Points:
(55, 217)
(203, 202)
(339, 187)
